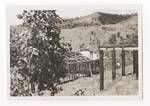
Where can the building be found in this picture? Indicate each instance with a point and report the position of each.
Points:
(90, 55)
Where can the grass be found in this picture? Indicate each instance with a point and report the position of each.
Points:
(89, 86)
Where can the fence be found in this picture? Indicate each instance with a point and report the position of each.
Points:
(113, 50)
(82, 69)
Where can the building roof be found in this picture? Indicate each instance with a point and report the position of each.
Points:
(74, 57)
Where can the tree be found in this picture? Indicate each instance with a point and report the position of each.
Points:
(113, 40)
(135, 40)
(94, 41)
(41, 48)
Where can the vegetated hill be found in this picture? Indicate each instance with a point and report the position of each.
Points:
(97, 18)
(83, 36)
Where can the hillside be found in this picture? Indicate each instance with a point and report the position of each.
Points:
(100, 26)
(83, 35)
(97, 18)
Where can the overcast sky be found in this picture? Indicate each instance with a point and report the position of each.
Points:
(71, 11)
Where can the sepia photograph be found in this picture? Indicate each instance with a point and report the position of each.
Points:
(74, 50)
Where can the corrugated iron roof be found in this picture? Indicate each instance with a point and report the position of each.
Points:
(74, 57)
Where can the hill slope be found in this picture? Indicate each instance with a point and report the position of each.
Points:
(82, 35)
(97, 18)
(81, 31)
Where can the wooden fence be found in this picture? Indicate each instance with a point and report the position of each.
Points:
(82, 69)
(113, 50)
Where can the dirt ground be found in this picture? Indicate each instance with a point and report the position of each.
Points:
(89, 86)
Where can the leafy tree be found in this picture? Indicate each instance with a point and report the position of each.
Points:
(40, 50)
(135, 40)
(113, 40)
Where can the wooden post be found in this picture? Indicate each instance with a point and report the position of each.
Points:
(90, 68)
(69, 72)
(95, 65)
(75, 70)
(113, 64)
(32, 87)
(123, 62)
(84, 69)
(74, 67)
(101, 70)
(87, 68)
(135, 63)
(79, 70)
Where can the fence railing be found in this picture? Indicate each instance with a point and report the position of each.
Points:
(81, 69)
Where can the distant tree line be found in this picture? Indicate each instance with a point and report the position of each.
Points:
(70, 25)
(103, 19)
(118, 40)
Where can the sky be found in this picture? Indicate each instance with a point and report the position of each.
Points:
(70, 11)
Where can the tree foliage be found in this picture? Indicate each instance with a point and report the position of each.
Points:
(118, 40)
(113, 40)
(38, 54)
